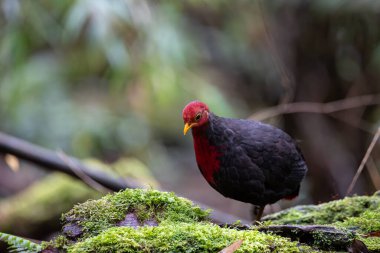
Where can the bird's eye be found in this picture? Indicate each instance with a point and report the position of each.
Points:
(198, 117)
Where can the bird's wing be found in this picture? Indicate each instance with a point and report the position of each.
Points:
(267, 155)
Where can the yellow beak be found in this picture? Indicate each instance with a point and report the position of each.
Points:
(187, 127)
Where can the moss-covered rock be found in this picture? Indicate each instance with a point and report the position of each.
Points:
(95, 216)
(153, 221)
(359, 213)
(123, 222)
(327, 213)
(183, 237)
(366, 222)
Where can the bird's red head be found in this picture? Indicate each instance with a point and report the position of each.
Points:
(194, 114)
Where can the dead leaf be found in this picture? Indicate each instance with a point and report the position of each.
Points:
(12, 162)
(373, 234)
(232, 248)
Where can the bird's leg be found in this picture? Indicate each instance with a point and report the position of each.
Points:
(257, 212)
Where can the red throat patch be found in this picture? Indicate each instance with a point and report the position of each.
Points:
(206, 154)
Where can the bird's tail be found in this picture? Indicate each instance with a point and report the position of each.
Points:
(293, 195)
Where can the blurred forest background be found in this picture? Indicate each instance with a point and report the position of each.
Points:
(108, 79)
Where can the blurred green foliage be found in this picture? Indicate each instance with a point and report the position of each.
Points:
(97, 77)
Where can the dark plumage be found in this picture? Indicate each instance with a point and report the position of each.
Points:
(245, 160)
(260, 163)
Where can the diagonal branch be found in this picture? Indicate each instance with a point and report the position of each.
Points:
(374, 173)
(313, 107)
(82, 175)
(51, 160)
(364, 161)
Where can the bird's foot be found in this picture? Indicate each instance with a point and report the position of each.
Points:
(257, 213)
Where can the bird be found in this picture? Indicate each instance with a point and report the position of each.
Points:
(245, 160)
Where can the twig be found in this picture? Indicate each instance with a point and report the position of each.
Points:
(373, 173)
(83, 176)
(313, 107)
(363, 162)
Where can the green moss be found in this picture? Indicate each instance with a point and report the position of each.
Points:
(183, 227)
(183, 237)
(329, 241)
(366, 222)
(360, 214)
(327, 213)
(59, 242)
(96, 215)
(372, 243)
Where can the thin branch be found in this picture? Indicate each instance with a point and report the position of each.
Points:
(322, 108)
(365, 158)
(83, 176)
(373, 173)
